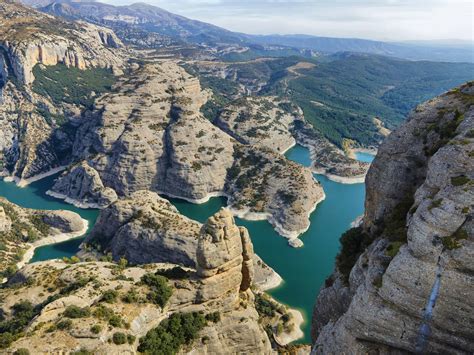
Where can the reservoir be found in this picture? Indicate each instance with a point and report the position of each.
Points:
(302, 269)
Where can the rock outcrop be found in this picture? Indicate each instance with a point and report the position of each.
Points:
(83, 187)
(150, 135)
(36, 134)
(146, 228)
(219, 289)
(29, 37)
(409, 291)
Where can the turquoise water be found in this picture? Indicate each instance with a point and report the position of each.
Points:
(34, 196)
(303, 269)
(365, 157)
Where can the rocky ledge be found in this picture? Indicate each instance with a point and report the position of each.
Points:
(404, 278)
(105, 307)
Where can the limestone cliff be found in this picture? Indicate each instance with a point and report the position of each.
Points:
(29, 37)
(146, 228)
(150, 135)
(37, 124)
(404, 279)
(82, 306)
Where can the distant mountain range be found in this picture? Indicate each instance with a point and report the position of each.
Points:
(145, 17)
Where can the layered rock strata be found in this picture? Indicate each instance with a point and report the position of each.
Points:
(150, 135)
(409, 289)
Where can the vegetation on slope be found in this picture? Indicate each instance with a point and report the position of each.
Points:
(71, 85)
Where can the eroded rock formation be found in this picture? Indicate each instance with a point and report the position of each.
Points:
(409, 291)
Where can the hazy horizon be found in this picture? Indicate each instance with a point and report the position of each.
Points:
(387, 20)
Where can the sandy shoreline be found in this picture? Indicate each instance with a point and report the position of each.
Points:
(25, 182)
(72, 201)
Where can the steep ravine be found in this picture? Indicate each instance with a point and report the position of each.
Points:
(403, 281)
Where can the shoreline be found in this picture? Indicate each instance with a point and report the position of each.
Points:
(298, 321)
(360, 179)
(25, 182)
(49, 240)
(74, 202)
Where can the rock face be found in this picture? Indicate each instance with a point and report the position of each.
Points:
(144, 229)
(150, 135)
(260, 121)
(409, 290)
(26, 42)
(35, 135)
(328, 159)
(224, 257)
(219, 286)
(82, 186)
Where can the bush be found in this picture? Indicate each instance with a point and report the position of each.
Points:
(175, 273)
(109, 296)
(353, 243)
(172, 333)
(119, 338)
(131, 297)
(76, 312)
(160, 291)
(96, 329)
(6, 339)
(459, 180)
(22, 351)
(116, 321)
(64, 324)
(264, 306)
(131, 339)
(214, 317)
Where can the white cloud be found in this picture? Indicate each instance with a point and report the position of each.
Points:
(375, 19)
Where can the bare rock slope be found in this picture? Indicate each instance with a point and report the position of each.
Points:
(410, 289)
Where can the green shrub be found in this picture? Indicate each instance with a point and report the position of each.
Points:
(64, 324)
(119, 338)
(265, 306)
(131, 339)
(116, 321)
(214, 317)
(393, 249)
(76, 312)
(6, 339)
(160, 291)
(459, 180)
(454, 241)
(172, 333)
(109, 296)
(22, 351)
(96, 329)
(71, 85)
(353, 243)
(131, 296)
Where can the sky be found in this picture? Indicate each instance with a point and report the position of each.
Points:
(373, 19)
